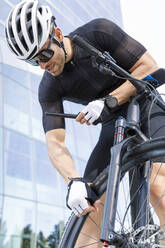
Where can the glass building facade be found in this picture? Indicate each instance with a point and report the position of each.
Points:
(32, 194)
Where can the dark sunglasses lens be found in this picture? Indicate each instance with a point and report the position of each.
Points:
(45, 55)
(32, 62)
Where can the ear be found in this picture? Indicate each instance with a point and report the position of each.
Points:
(58, 34)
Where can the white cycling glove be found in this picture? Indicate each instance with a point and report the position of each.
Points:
(78, 194)
(99, 110)
(93, 110)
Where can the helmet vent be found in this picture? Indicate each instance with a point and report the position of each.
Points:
(40, 10)
(30, 31)
(16, 46)
(29, 16)
(39, 28)
(33, 52)
(18, 24)
(23, 41)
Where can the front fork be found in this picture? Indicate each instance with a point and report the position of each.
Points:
(108, 235)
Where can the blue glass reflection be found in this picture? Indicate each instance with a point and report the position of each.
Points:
(18, 165)
(17, 142)
(14, 94)
(5, 9)
(2, 30)
(15, 74)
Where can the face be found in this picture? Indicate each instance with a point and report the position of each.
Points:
(56, 64)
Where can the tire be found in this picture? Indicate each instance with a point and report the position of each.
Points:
(142, 237)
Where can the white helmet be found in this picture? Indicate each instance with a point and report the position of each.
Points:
(27, 28)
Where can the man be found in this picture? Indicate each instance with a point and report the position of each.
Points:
(33, 36)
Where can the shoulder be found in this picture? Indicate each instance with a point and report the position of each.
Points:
(96, 25)
(49, 88)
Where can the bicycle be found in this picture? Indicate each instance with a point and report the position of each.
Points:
(132, 154)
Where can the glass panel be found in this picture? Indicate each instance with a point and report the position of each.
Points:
(67, 11)
(80, 165)
(35, 81)
(64, 23)
(15, 74)
(15, 1)
(16, 107)
(16, 120)
(14, 94)
(5, 9)
(2, 30)
(18, 165)
(50, 224)
(18, 175)
(41, 151)
(1, 163)
(37, 129)
(48, 187)
(36, 108)
(63, 186)
(18, 228)
(84, 146)
(78, 10)
(70, 140)
(17, 142)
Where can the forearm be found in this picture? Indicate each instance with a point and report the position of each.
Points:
(143, 67)
(60, 157)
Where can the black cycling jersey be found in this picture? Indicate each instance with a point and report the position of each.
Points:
(80, 82)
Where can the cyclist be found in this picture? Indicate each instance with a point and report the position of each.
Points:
(34, 37)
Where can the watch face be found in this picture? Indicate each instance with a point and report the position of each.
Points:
(111, 101)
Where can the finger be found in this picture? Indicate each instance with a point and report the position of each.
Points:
(82, 121)
(80, 116)
(87, 122)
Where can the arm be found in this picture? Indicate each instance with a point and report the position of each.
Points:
(59, 154)
(144, 66)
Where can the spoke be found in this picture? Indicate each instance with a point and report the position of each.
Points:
(89, 244)
(88, 236)
(121, 223)
(126, 200)
(94, 222)
(154, 207)
(141, 209)
(158, 201)
(130, 204)
(157, 173)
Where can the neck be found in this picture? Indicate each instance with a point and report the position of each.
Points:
(69, 47)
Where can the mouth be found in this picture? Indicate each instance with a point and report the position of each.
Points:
(50, 69)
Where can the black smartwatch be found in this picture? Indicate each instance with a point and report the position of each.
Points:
(110, 101)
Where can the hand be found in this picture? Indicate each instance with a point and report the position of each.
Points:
(81, 198)
(95, 112)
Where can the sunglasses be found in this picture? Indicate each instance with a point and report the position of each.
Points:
(46, 54)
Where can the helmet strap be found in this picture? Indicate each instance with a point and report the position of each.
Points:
(60, 44)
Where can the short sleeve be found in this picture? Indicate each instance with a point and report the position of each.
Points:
(122, 47)
(51, 122)
(50, 98)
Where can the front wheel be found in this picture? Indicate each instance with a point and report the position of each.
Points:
(150, 235)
